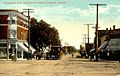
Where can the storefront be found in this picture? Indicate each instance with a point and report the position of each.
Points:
(13, 33)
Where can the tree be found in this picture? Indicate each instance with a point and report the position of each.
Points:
(71, 49)
(42, 34)
(33, 22)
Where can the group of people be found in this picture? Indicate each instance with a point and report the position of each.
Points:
(42, 53)
(87, 54)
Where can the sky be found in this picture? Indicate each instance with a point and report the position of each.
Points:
(70, 16)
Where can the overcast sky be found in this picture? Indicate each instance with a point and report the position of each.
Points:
(69, 16)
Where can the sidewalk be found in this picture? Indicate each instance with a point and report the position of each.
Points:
(11, 59)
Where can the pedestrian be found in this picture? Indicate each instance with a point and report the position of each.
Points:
(72, 55)
(91, 55)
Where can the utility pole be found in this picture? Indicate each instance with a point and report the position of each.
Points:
(66, 47)
(88, 50)
(28, 11)
(88, 31)
(96, 34)
(84, 39)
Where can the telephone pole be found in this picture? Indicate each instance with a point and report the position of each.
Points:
(28, 11)
(84, 40)
(88, 31)
(88, 46)
(96, 34)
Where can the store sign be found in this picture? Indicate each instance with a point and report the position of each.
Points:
(12, 40)
(13, 27)
(13, 31)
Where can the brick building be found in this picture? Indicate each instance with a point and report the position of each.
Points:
(13, 33)
(101, 36)
(115, 33)
(106, 35)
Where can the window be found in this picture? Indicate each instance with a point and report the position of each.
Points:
(3, 19)
(13, 21)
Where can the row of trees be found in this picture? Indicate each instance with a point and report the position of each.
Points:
(43, 34)
(71, 49)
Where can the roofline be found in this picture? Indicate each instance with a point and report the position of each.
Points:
(12, 10)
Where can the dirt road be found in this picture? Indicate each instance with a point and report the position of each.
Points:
(65, 67)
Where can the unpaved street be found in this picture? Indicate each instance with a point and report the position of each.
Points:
(65, 67)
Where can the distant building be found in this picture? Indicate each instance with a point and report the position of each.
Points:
(13, 33)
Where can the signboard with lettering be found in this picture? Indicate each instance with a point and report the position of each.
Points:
(12, 40)
(13, 31)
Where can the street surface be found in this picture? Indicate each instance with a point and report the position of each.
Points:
(67, 66)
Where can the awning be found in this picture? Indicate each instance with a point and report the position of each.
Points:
(21, 47)
(103, 45)
(113, 48)
(113, 45)
(31, 48)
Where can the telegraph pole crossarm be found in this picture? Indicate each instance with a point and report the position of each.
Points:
(96, 34)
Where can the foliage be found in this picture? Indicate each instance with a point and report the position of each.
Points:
(42, 34)
(71, 49)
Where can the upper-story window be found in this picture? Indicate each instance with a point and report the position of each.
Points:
(3, 19)
(13, 22)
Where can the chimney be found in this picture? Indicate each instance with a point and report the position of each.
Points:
(106, 31)
(113, 27)
(110, 28)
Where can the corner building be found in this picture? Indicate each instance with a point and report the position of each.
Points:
(13, 34)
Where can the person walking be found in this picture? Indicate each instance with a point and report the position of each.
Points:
(72, 55)
(92, 55)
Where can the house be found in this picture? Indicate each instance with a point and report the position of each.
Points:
(13, 33)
